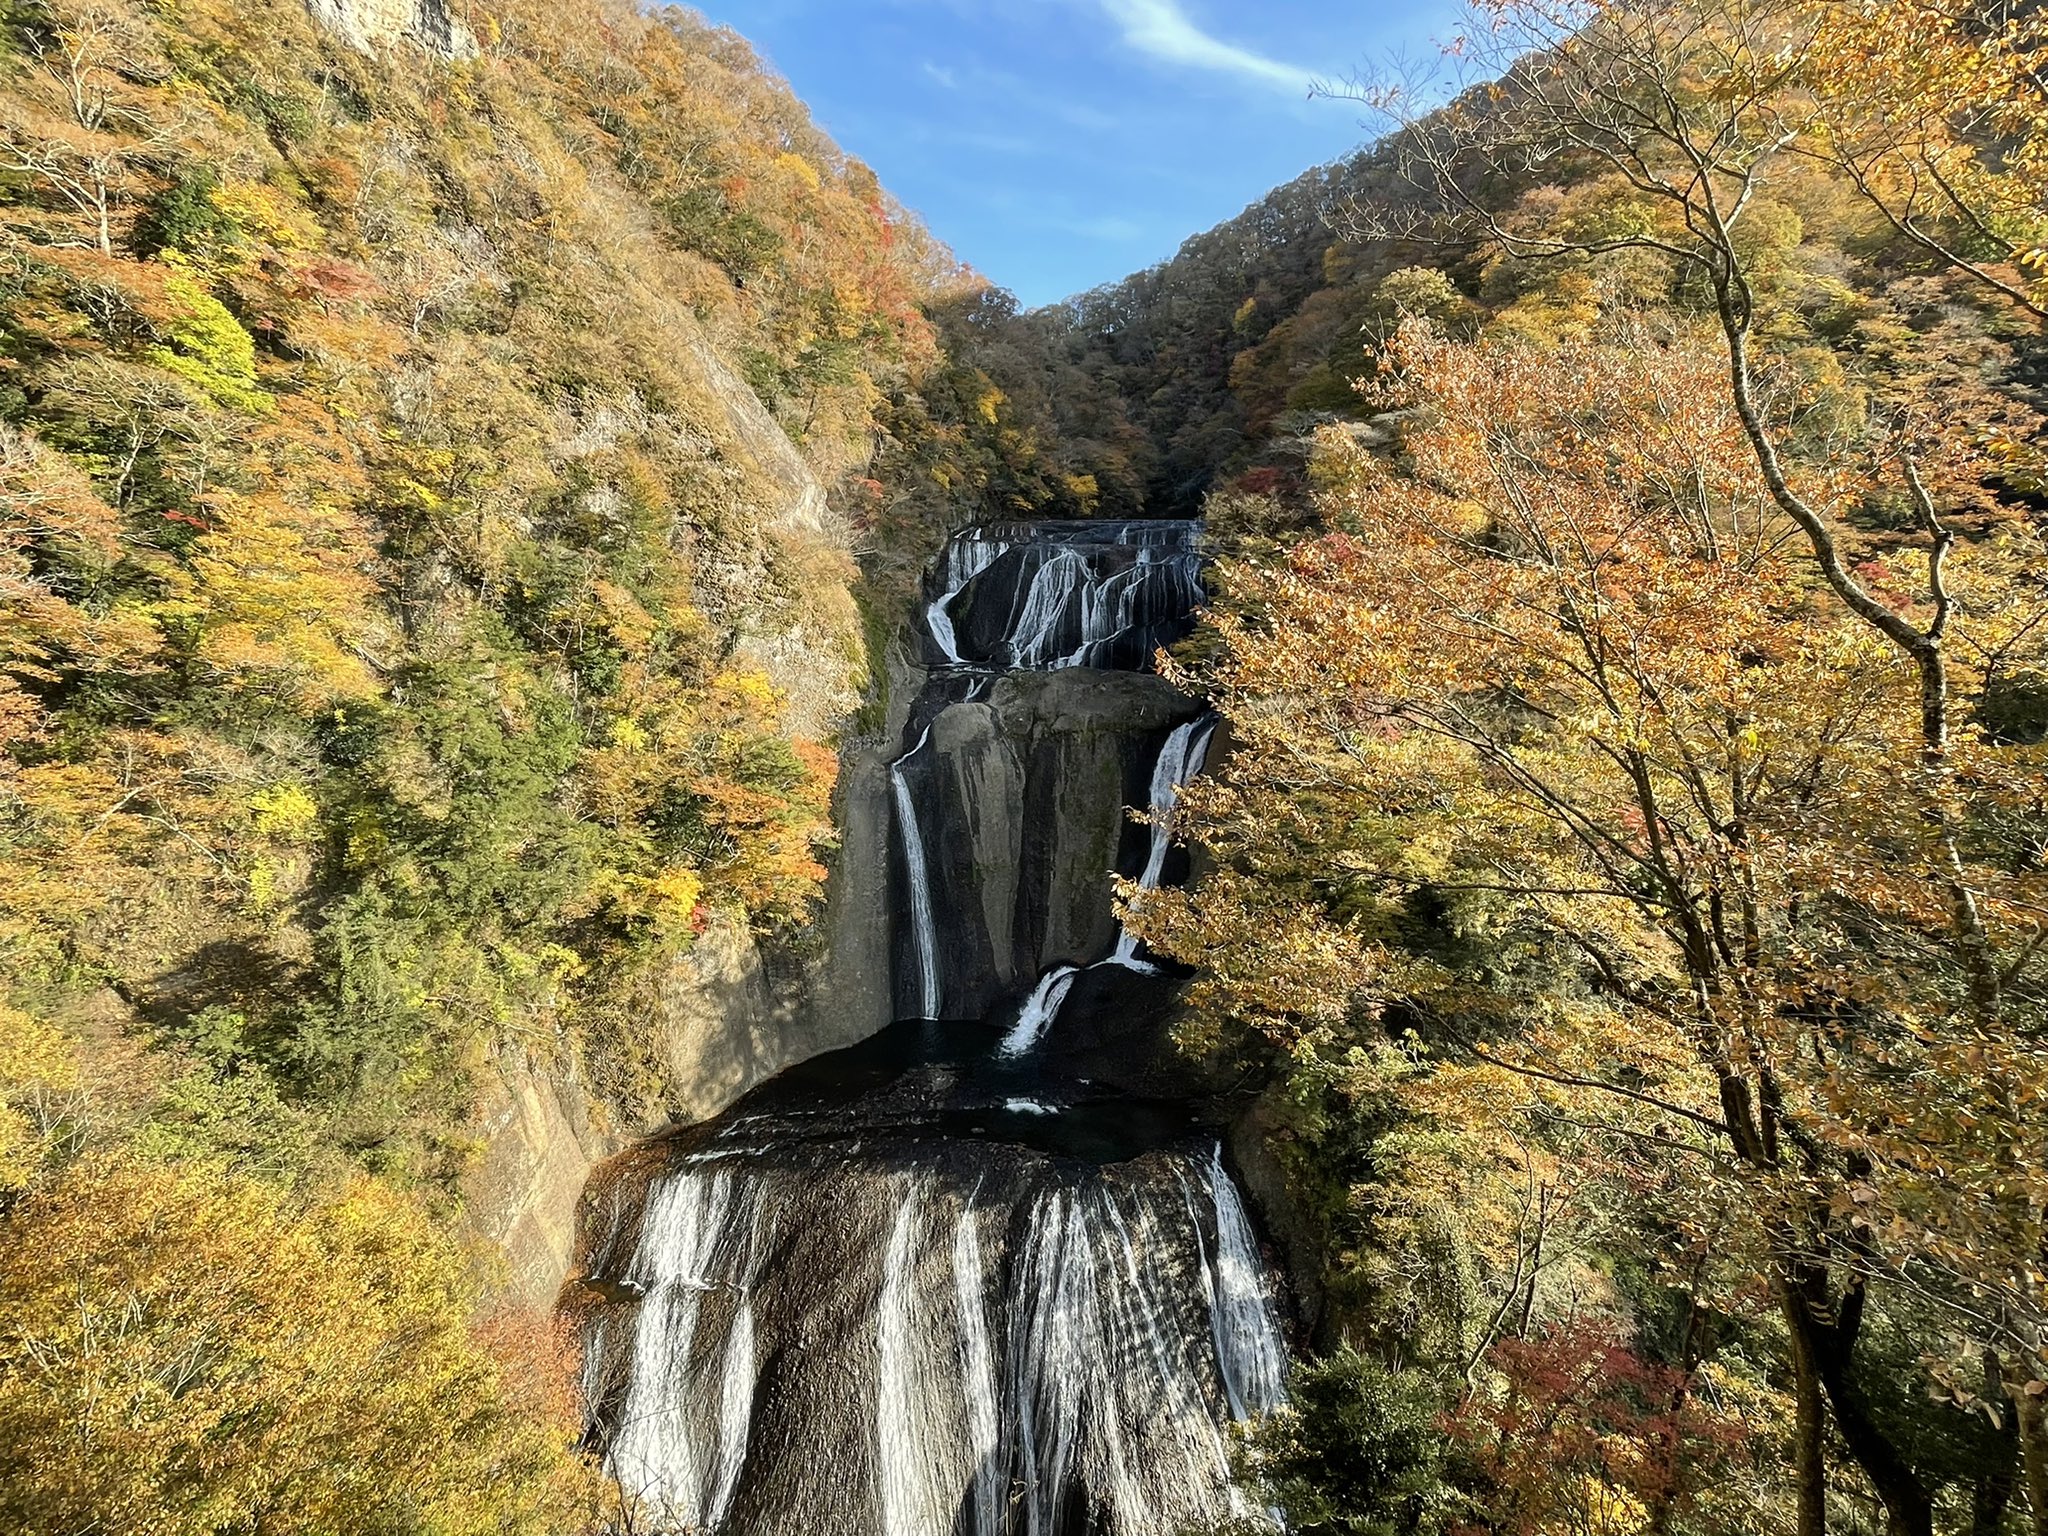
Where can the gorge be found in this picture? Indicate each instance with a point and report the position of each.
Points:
(610, 925)
(987, 1272)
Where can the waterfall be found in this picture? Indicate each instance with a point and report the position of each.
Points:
(1248, 1345)
(1107, 1388)
(924, 931)
(1179, 761)
(1052, 595)
(917, 1463)
(978, 1374)
(947, 1282)
(1040, 1009)
(967, 555)
(682, 1434)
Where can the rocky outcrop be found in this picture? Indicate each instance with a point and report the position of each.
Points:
(724, 1024)
(539, 1143)
(1039, 777)
(370, 24)
(854, 988)
(1032, 781)
(719, 1024)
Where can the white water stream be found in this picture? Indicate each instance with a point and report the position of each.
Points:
(953, 1303)
(924, 930)
(1186, 750)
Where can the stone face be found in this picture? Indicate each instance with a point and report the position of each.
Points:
(435, 25)
(852, 991)
(539, 1148)
(1032, 784)
(719, 1023)
(1077, 749)
(725, 1025)
(719, 1026)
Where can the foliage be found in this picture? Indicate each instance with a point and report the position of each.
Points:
(1356, 1452)
(1629, 809)
(382, 549)
(183, 1351)
(37, 1070)
(1586, 1436)
(426, 499)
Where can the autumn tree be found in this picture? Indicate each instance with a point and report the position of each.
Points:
(183, 1347)
(410, 470)
(1565, 673)
(1693, 135)
(81, 131)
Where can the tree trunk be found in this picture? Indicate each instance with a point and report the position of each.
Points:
(1908, 1509)
(1809, 1424)
(2033, 1417)
(1993, 1493)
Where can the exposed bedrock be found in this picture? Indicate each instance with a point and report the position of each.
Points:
(1034, 783)
(721, 1020)
(1031, 784)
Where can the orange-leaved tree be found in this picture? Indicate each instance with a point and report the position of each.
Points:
(1569, 675)
(1701, 136)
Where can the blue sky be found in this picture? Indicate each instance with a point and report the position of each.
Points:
(1057, 144)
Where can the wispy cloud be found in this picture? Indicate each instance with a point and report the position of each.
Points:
(1166, 32)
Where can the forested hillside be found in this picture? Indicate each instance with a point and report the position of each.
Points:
(1633, 631)
(1216, 361)
(432, 460)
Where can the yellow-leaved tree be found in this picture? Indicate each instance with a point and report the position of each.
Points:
(182, 1351)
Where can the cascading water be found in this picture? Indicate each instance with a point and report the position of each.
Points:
(1179, 761)
(1040, 1009)
(955, 1281)
(1045, 596)
(924, 932)
(1008, 602)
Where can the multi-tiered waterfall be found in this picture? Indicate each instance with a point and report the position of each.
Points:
(983, 1275)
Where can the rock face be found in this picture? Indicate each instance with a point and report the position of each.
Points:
(719, 1026)
(718, 1023)
(540, 1145)
(987, 1271)
(369, 24)
(1014, 739)
(854, 991)
(726, 1023)
(1035, 778)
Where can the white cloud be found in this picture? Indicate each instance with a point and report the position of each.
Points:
(1166, 32)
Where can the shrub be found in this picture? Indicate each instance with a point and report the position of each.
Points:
(1358, 1451)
